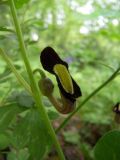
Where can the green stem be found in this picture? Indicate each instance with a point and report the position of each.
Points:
(33, 84)
(42, 74)
(13, 69)
(87, 99)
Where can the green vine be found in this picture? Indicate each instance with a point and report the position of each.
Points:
(88, 98)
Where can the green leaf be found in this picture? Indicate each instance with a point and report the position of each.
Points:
(18, 155)
(31, 132)
(3, 2)
(7, 114)
(22, 99)
(4, 141)
(4, 29)
(108, 147)
(72, 137)
(53, 115)
(25, 100)
(20, 3)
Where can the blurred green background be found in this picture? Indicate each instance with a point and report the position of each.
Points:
(85, 33)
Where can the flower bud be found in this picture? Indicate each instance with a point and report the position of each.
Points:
(46, 86)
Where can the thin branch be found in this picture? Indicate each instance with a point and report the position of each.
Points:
(88, 98)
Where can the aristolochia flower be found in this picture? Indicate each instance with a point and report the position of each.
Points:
(52, 63)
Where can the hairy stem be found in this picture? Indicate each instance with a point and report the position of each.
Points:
(88, 98)
(34, 88)
(13, 69)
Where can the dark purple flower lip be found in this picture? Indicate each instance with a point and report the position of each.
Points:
(49, 58)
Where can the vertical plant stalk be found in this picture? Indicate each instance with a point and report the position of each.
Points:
(87, 99)
(13, 69)
(33, 84)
